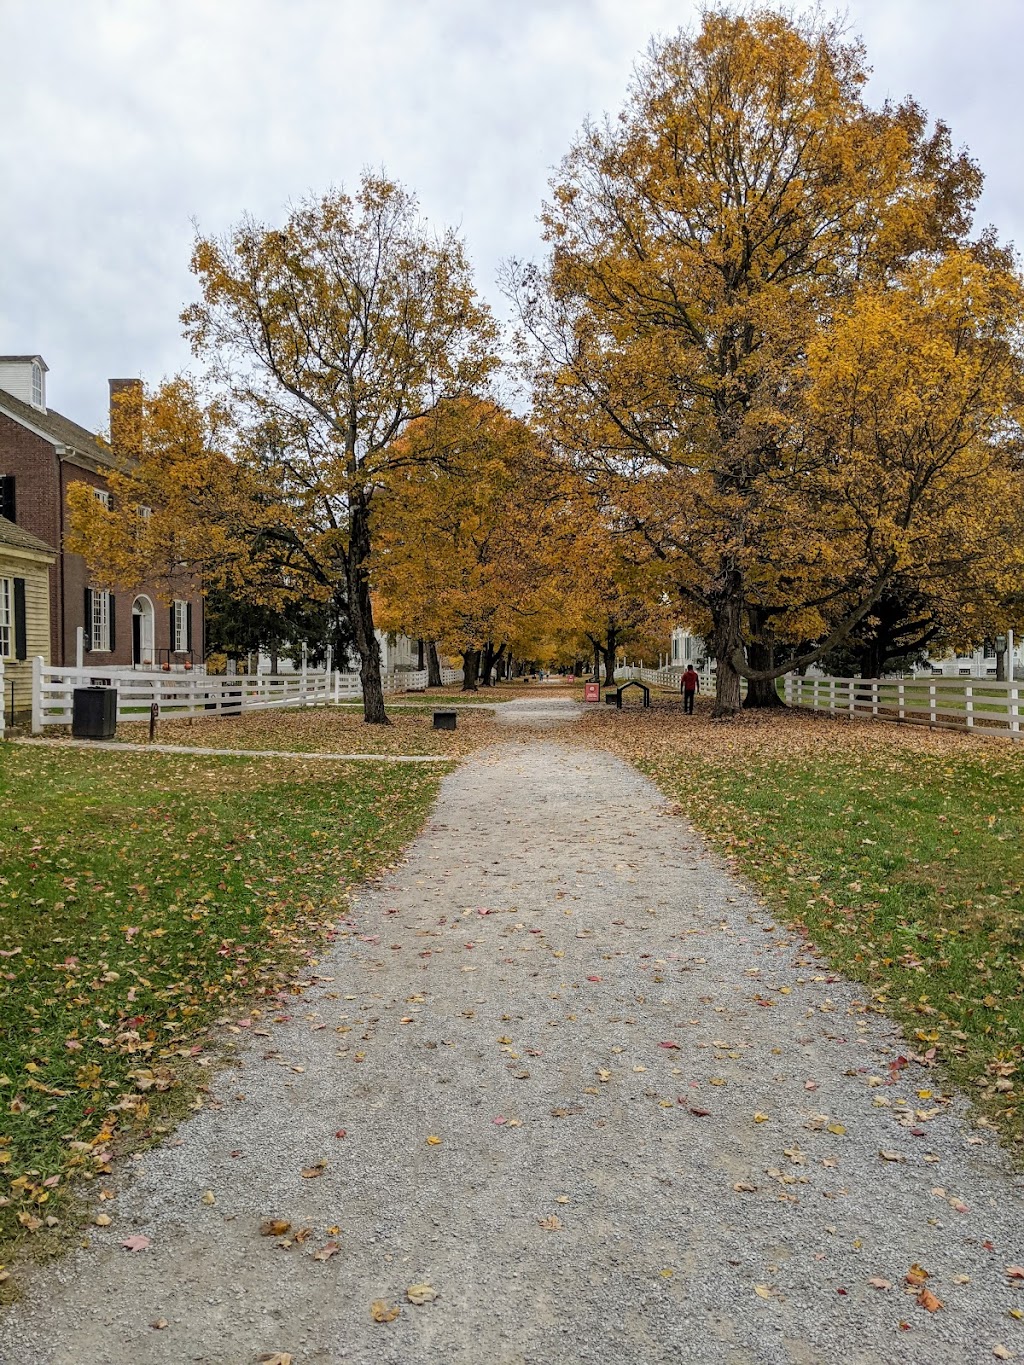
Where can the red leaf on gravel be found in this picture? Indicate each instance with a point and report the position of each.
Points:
(136, 1242)
(593, 978)
(342, 1132)
(675, 1045)
(1015, 1272)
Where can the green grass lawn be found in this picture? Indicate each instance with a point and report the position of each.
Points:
(899, 852)
(143, 898)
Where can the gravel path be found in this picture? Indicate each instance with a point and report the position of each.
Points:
(591, 1094)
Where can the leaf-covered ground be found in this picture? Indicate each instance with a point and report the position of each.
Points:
(898, 851)
(325, 729)
(141, 896)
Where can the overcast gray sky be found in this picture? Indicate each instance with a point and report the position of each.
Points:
(124, 120)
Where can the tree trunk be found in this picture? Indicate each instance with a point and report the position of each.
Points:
(761, 692)
(361, 614)
(608, 655)
(1000, 665)
(433, 665)
(597, 663)
(470, 669)
(420, 651)
(487, 657)
(727, 638)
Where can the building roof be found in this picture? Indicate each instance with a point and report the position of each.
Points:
(20, 539)
(53, 426)
(9, 359)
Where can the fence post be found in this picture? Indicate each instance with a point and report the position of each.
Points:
(874, 697)
(969, 700)
(787, 689)
(901, 696)
(931, 703)
(814, 695)
(37, 694)
(3, 699)
(831, 696)
(1014, 710)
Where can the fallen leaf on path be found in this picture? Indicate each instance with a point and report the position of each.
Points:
(760, 1118)
(917, 1275)
(876, 1282)
(209, 1197)
(762, 1291)
(136, 1242)
(888, 1155)
(1001, 1353)
(928, 1300)
(1015, 1272)
(158, 1324)
(745, 1187)
(837, 1128)
(550, 1224)
(433, 1140)
(311, 1172)
(325, 1253)
(676, 1046)
(103, 1220)
(420, 1294)
(341, 1133)
(275, 1358)
(274, 1227)
(382, 1311)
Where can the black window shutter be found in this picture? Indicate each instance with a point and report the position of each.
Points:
(87, 620)
(20, 633)
(8, 505)
(188, 627)
(111, 620)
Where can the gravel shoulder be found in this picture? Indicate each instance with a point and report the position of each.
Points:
(659, 1125)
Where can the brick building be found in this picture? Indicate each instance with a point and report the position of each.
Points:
(41, 454)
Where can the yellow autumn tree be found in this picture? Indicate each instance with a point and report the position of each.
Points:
(327, 337)
(462, 534)
(706, 249)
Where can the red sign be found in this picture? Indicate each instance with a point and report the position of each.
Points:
(591, 691)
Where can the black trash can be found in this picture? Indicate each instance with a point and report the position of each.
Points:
(94, 712)
(445, 720)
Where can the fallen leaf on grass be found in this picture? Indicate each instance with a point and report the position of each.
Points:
(420, 1294)
(136, 1242)
(382, 1311)
(550, 1224)
(274, 1227)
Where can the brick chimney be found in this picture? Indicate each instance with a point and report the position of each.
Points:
(125, 397)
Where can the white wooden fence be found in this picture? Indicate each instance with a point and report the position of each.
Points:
(945, 703)
(186, 694)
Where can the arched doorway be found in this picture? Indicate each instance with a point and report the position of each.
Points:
(143, 643)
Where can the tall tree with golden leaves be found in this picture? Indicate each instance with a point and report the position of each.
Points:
(328, 337)
(710, 250)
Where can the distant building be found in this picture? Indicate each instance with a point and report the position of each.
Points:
(687, 649)
(41, 454)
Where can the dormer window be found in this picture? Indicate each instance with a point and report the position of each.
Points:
(37, 384)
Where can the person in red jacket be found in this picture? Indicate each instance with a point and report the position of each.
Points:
(689, 688)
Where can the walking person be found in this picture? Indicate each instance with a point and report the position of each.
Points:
(689, 688)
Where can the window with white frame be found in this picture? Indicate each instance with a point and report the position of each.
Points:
(37, 384)
(101, 495)
(100, 620)
(6, 618)
(145, 512)
(180, 641)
